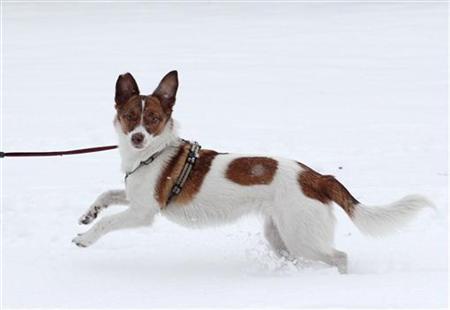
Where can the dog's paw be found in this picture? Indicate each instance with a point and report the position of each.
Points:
(87, 218)
(82, 241)
(91, 214)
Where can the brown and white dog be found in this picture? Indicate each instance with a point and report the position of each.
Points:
(294, 199)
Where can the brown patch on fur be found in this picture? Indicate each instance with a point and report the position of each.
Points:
(155, 116)
(129, 114)
(325, 188)
(154, 119)
(173, 169)
(154, 110)
(252, 170)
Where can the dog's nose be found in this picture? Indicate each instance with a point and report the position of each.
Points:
(137, 138)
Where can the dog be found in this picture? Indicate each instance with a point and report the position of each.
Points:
(199, 187)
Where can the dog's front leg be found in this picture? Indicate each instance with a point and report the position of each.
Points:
(135, 216)
(108, 198)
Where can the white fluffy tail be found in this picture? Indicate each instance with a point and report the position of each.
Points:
(378, 221)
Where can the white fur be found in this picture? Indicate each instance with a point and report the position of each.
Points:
(379, 221)
(295, 225)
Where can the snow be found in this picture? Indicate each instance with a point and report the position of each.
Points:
(362, 86)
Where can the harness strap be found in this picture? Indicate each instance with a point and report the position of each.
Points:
(191, 159)
(188, 166)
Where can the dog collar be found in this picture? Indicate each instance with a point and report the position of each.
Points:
(189, 164)
(145, 162)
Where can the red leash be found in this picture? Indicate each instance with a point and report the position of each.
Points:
(58, 153)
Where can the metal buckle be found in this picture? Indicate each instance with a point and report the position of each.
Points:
(176, 189)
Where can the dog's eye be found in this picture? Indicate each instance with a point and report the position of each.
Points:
(129, 116)
(155, 120)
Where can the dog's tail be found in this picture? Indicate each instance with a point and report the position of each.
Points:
(371, 220)
(382, 220)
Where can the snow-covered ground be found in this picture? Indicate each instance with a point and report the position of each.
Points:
(353, 85)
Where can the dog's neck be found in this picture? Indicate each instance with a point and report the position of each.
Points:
(132, 157)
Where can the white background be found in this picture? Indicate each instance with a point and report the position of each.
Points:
(362, 86)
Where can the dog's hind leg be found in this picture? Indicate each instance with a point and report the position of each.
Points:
(336, 258)
(273, 237)
(308, 232)
(339, 259)
(135, 216)
(108, 198)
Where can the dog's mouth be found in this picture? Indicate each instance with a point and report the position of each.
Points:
(138, 146)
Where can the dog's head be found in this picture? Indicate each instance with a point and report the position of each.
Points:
(142, 118)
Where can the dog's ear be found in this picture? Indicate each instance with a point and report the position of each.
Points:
(126, 87)
(167, 89)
